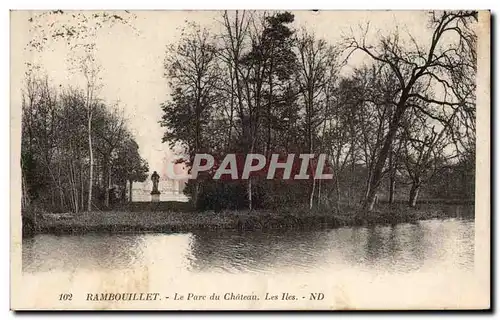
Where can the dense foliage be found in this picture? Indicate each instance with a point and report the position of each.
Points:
(390, 126)
(55, 155)
(77, 153)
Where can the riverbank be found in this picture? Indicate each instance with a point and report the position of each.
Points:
(175, 221)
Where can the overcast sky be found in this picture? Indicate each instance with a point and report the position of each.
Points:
(133, 63)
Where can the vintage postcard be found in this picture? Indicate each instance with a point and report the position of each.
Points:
(250, 160)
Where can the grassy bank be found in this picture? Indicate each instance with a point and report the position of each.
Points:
(287, 218)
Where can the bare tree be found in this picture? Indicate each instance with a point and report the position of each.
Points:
(424, 151)
(79, 30)
(318, 68)
(431, 65)
(192, 72)
(110, 135)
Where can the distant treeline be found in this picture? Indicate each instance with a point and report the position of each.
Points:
(398, 126)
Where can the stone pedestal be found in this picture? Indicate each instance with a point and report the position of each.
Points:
(155, 196)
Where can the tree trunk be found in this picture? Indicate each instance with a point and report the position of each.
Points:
(196, 150)
(249, 185)
(74, 189)
(130, 190)
(370, 201)
(350, 193)
(415, 188)
(311, 197)
(231, 114)
(61, 199)
(249, 191)
(196, 193)
(392, 182)
(91, 170)
(269, 106)
(319, 192)
(107, 184)
(82, 188)
(58, 185)
(52, 198)
(25, 197)
(384, 152)
(368, 186)
(337, 190)
(392, 187)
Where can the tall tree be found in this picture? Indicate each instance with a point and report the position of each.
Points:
(429, 65)
(129, 166)
(79, 30)
(110, 133)
(318, 68)
(193, 74)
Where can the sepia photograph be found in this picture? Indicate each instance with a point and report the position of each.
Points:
(250, 160)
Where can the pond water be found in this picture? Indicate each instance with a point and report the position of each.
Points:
(402, 255)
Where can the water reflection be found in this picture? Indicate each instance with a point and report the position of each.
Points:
(257, 251)
(104, 252)
(399, 248)
(402, 248)
(46, 252)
